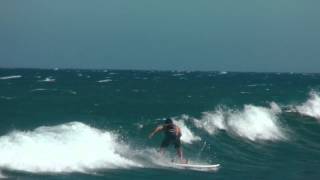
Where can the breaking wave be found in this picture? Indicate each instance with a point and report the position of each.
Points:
(187, 135)
(70, 147)
(311, 107)
(252, 123)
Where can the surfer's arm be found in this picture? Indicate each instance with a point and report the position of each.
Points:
(159, 128)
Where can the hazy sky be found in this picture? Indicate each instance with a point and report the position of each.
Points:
(230, 35)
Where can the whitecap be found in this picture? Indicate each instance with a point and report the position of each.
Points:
(255, 123)
(10, 77)
(211, 122)
(104, 81)
(311, 107)
(72, 92)
(252, 123)
(38, 89)
(48, 79)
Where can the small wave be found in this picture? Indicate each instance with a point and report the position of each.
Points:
(70, 147)
(48, 79)
(104, 81)
(6, 97)
(253, 122)
(54, 90)
(178, 74)
(258, 85)
(38, 89)
(72, 92)
(10, 77)
(311, 107)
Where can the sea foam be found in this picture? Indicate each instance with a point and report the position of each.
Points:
(70, 147)
(187, 135)
(311, 107)
(252, 123)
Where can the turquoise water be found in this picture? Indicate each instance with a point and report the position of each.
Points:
(94, 124)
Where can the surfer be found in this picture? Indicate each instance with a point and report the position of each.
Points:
(172, 136)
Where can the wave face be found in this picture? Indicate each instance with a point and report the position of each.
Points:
(88, 124)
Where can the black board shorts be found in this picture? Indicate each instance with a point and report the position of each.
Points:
(171, 140)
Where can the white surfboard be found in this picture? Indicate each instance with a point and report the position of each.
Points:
(199, 167)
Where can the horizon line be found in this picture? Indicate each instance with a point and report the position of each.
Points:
(158, 70)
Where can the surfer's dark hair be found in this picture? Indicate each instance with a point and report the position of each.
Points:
(168, 121)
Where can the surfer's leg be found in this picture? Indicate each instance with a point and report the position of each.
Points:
(165, 143)
(161, 151)
(180, 153)
(178, 147)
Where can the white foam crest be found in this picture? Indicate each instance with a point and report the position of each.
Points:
(187, 135)
(211, 122)
(70, 147)
(223, 72)
(311, 107)
(48, 79)
(10, 77)
(256, 123)
(104, 81)
(253, 122)
(38, 89)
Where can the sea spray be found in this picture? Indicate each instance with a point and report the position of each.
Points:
(70, 147)
(253, 122)
(311, 107)
(187, 135)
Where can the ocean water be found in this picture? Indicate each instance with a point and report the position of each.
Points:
(94, 124)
